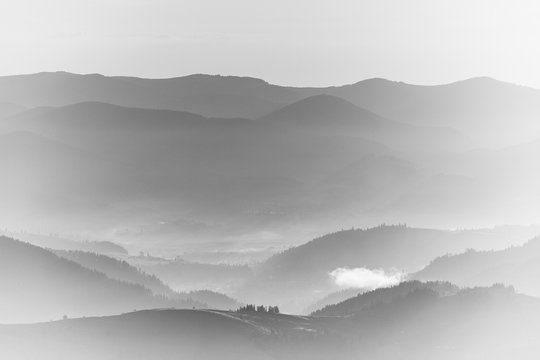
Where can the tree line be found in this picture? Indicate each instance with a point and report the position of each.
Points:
(259, 309)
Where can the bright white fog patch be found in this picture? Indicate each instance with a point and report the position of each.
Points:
(364, 278)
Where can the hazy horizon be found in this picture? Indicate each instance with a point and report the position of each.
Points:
(377, 154)
(347, 83)
(308, 43)
(269, 180)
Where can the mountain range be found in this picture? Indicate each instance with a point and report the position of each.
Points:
(516, 266)
(122, 160)
(78, 284)
(294, 278)
(468, 105)
(421, 324)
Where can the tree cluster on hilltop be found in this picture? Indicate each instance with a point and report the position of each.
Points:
(258, 308)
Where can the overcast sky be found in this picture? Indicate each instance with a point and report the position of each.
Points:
(289, 42)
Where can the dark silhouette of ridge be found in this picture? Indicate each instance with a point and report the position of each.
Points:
(53, 241)
(216, 168)
(470, 106)
(421, 324)
(515, 266)
(327, 114)
(300, 272)
(122, 271)
(384, 295)
(117, 270)
(40, 286)
(127, 152)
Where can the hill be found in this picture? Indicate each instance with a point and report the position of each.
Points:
(515, 266)
(192, 276)
(363, 301)
(301, 274)
(117, 165)
(469, 106)
(493, 322)
(121, 270)
(214, 300)
(117, 270)
(37, 285)
(213, 96)
(118, 162)
(327, 114)
(332, 299)
(163, 334)
(57, 242)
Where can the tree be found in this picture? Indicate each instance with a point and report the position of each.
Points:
(259, 309)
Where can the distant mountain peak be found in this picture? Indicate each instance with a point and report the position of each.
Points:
(327, 98)
(222, 77)
(322, 105)
(376, 80)
(329, 114)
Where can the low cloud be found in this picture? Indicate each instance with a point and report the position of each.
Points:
(364, 278)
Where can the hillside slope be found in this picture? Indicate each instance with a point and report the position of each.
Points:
(327, 114)
(37, 285)
(492, 322)
(123, 271)
(301, 274)
(470, 105)
(517, 266)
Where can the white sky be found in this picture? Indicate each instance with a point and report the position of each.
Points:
(289, 42)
